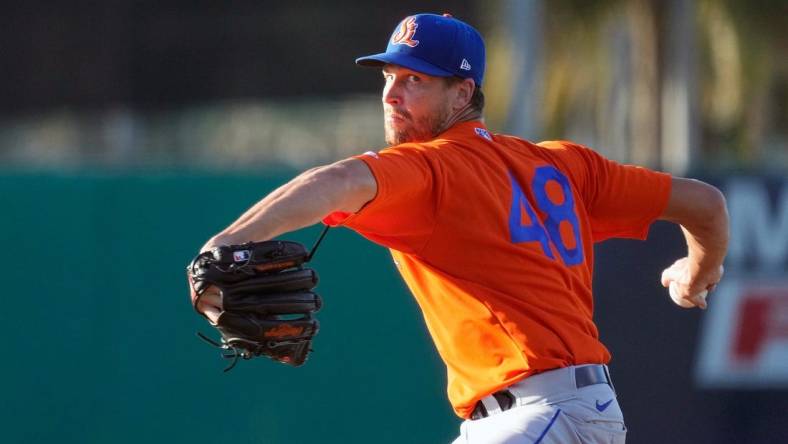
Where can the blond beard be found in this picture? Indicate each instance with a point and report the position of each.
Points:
(421, 131)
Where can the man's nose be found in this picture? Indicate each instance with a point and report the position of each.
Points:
(392, 93)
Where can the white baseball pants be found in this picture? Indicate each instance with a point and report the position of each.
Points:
(551, 410)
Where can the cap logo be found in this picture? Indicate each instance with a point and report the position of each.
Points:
(465, 65)
(404, 35)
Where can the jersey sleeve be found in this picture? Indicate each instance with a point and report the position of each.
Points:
(621, 200)
(401, 216)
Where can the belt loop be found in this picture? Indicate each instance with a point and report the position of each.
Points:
(505, 399)
(498, 402)
(609, 379)
(491, 405)
(479, 411)
(573, 377)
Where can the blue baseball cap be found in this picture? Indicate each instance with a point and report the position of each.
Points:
(437, 45)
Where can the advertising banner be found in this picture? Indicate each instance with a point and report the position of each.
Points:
(744, 339)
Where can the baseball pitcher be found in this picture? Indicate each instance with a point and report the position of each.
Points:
(494, 236)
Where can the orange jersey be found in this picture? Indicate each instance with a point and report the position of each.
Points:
(494, 237)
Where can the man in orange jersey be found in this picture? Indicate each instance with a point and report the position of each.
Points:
(494, 236)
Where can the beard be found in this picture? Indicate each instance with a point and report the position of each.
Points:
(416, 130)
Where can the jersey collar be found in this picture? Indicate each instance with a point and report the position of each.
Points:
(475, 128)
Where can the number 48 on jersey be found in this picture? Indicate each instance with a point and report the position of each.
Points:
(548, 232)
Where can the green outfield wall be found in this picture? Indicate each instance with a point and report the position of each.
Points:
(100, 342)
(100, 346)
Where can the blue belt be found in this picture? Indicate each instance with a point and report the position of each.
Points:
(584, 376)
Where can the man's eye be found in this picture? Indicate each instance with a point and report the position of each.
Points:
(413, 78)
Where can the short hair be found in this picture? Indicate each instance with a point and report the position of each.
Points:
(477, 99)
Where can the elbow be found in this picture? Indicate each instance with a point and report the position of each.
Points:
(696, 203)
(720, 211)
(710, 210)
(713, 222)
(714, 204)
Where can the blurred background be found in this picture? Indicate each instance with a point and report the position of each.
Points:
(131, 131)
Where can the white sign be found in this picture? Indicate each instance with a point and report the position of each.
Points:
(744, 342)
(759, 230)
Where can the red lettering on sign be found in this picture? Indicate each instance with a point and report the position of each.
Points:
(763, 318)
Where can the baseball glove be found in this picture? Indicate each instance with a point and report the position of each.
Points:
(267, 299)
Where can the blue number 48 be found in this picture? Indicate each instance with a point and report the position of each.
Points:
(549, 232)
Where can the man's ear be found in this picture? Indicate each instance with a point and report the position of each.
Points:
(464, 93)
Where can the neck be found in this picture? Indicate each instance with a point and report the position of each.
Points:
(463, 115)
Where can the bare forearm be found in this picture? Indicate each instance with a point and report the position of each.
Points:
(707, 242)
(701, 211)
(304, 201)
(245, 218)
(294, 205)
